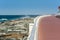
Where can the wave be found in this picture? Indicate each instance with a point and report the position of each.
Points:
(2, 19)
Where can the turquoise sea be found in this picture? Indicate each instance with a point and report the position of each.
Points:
(12, 17)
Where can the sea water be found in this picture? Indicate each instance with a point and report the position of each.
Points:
(12, 17)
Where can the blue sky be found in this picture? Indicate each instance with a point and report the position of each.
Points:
(28, 7)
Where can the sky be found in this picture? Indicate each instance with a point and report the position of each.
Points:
(28, 7)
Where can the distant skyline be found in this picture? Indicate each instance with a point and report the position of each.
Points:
(28, 7)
